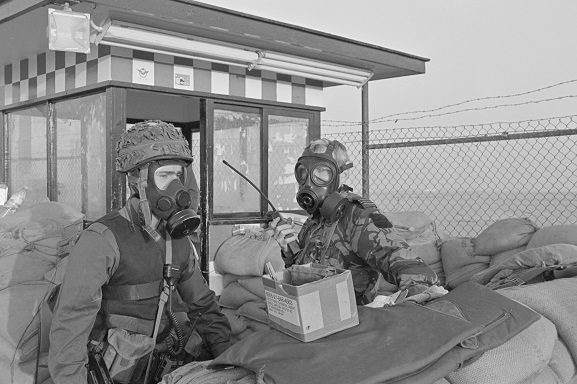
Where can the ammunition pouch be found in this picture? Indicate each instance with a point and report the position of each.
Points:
(115, 359)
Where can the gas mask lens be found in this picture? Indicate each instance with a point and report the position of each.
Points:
(322, 175)
(164, 175)
(301, 173)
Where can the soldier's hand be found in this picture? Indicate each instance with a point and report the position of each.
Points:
(283, 233)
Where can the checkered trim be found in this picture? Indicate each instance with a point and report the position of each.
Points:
(53, 72)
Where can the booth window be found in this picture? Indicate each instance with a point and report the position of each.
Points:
(81, 154)
(287, 137)
(237, 140)
(28, 160)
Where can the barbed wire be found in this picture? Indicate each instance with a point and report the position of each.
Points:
(388, 118)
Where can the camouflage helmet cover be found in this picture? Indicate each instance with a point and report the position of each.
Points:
(150, 140)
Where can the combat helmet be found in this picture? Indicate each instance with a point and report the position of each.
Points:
(148, 141)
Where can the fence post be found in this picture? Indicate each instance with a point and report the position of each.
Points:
(365, 139)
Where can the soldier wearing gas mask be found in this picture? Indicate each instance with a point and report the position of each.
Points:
(348, 231)
(133, 299)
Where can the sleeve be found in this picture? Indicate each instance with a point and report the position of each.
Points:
(90, 264)
(383, 248)
(203, 311)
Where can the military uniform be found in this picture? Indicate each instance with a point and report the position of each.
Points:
(102, 262)
(363, 241)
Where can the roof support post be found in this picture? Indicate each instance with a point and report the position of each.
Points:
(365, 139)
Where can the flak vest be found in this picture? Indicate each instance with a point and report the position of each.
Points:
(130, 299)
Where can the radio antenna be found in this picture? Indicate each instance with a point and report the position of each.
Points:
(251, 183)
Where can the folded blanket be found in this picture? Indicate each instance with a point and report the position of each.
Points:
(549, 255)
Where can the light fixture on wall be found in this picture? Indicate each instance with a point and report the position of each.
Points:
(311, 69)
(127, 35)
(68, 30)
(137, 37)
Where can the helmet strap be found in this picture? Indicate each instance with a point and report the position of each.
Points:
(144, 204)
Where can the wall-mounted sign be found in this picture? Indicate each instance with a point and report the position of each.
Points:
(143, 72)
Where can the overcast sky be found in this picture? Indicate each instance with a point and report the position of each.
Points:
(484, 49)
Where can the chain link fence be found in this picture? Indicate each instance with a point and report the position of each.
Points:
(467, 177)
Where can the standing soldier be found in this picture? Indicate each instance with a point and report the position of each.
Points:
(117, 294)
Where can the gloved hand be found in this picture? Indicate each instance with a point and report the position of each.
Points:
(283, 233)
(427, 294)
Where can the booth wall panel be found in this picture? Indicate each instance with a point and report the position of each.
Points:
(54, 72)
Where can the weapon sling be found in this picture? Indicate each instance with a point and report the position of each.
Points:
(163, 299)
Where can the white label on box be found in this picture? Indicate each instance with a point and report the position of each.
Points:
(344, 300)
(282, 307)
(311, 311)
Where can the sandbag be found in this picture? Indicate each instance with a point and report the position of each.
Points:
(503, 256)
(254, 285)
(19, 319)
(258, 326)
(24, 267)
(229, 278)
(427, 245)
(246, 256)
(555, 234)
(23, 373)
(457, 252)
(418, 222)
(49, 227)
(197, 373)
(254, 310)
(561, 362)
(519, 360)
(234, 295)
(504, 235)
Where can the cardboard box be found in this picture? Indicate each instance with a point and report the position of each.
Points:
(310, 311)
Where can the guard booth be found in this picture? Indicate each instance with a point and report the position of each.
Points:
(245, 89)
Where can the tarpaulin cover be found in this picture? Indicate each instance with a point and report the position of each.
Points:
(390, 344)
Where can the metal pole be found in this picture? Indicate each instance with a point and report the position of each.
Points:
(365, 139)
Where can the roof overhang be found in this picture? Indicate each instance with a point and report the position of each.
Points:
(205, 21)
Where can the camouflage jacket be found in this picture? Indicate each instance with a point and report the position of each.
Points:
(364, 242)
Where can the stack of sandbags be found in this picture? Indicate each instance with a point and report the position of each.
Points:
(241, 261)
(462, 257)
(422, 234)
(33, 241)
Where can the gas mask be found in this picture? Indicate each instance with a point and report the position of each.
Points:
(171, 191)
(318, 176)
